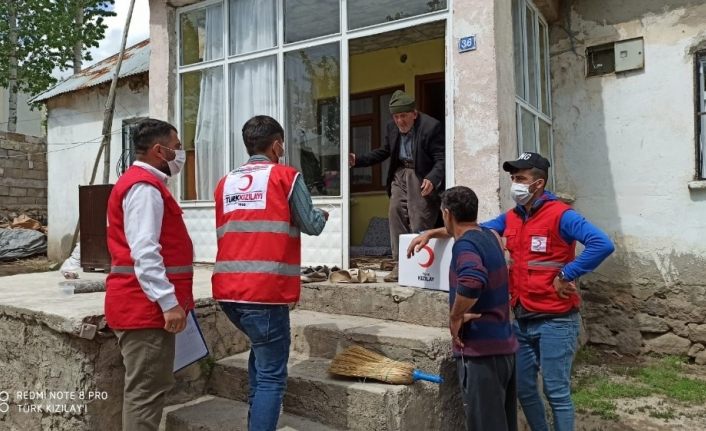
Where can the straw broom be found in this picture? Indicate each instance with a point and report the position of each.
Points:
(357, 361)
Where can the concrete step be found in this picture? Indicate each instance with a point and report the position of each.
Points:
(221, 414)
(343, 403)
(324, 335)
(387, 301)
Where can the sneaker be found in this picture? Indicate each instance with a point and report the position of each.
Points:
(392, 276)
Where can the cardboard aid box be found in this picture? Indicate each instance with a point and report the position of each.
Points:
(429, 267)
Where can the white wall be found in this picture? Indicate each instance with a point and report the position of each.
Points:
(76, 118)
(625, 143)
(28, 122)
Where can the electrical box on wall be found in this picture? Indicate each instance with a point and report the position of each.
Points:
(614, 57)
(629, 55)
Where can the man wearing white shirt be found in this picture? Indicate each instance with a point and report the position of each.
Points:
(148, 290)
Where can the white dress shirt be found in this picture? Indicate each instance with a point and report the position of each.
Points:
(143, 208)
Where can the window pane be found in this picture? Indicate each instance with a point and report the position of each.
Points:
(306, 19)
(545, 138)
(253, 86)
(529, 135)
(202, 132)
(361, 106)
(543, 68)
(519, 55)
(532, 58)
(253, 25)
(312, 100)
(362, 13)
(201, 34)
(361, 137)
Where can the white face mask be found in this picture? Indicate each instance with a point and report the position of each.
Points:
(280, 159)
(176, 165)
(520, 193)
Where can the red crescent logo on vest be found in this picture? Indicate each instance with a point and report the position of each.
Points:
(429, 261)
(249, 180)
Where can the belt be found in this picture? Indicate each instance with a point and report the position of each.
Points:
(409, 164)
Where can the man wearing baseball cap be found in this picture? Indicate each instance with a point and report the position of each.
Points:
(414, 142)
(541, 234)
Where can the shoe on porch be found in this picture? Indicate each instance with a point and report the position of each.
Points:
(393, 275)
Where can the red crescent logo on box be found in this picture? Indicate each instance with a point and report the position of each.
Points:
(429, 261)
(249, 180)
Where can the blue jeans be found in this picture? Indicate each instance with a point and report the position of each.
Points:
(548, 345)
(267, 327)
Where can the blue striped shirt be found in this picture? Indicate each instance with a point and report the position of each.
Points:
(478, 270)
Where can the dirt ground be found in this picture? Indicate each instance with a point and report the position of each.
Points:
(24, 266)
(614, 392)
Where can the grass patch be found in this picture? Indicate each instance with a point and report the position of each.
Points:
(664, 378)
(597, 395)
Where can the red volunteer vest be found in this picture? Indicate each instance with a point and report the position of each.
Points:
(126, 305)
(538, 253)
(259, 249)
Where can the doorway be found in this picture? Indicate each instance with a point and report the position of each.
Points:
(413, 60)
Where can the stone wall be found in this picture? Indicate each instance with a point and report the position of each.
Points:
(41, 354)
(23, 176)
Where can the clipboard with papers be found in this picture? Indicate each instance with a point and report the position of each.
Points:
(190, 344)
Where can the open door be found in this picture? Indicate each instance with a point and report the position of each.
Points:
(409, 59)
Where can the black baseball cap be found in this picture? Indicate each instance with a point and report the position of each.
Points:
(527, 161)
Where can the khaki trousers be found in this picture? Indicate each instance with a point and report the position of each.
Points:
(409, 211)
(148, 356)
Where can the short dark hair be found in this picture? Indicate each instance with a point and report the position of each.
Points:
(150, 131)
(260, 132)
(539, 174)
(462, 202)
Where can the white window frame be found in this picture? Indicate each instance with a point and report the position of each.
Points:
(342, 38)
(701, 114)
(522, 103)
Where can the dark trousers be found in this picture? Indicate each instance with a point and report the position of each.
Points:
(489, 392)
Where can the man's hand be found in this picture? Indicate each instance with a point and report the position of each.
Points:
(455, 324)
(351, 160)
(427, 187)
(175, 319)
(564, 288)
(325, 214)
(417, 243)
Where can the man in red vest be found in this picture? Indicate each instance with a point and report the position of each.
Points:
(148, 290)
(261, 208)
(541, 234)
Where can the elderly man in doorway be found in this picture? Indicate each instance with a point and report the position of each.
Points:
(415, 144)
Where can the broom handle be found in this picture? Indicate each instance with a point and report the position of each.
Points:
(421, 375)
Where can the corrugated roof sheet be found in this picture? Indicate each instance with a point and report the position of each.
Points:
(136, 60)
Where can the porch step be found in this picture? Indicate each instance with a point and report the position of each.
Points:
(324, 335)
(220, 414)
(387, 301)
(337, 402)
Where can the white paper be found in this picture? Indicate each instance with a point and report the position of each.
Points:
(190, 344)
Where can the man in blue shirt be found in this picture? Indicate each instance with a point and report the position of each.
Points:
(479, 319)
(540, 234)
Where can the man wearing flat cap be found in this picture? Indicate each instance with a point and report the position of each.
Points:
(415, 144)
